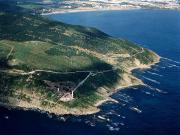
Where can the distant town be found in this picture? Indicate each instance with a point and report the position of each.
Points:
(55, 6)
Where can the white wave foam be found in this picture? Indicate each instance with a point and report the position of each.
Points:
(134, 88)
(155, 89)
(147, 93)
(160, 66)
(126, 101)
(160, 91)
(150, 87)
(123, 117)
(125, 97)
(113, 129)
(173, 65)
(154, 73)
(149, 79)
(103, 117)
(136, 109)
(122, 124)
(178, 62)
(154, 69)
(6, 117)
(116, 124)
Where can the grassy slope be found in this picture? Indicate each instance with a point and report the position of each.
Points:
(29, 42)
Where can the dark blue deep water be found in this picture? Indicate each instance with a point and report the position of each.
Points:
(159, 100)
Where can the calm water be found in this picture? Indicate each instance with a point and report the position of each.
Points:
(159, 101)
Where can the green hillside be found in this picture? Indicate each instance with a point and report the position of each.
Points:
(48, 59)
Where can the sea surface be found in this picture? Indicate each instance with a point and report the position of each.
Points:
(153, 109)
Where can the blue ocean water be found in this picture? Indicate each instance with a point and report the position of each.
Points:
(158, 102)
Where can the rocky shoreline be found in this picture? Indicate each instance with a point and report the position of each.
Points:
(63, 110)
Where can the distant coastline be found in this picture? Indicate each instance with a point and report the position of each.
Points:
(99, 10)
(87, 10)
(77, 10)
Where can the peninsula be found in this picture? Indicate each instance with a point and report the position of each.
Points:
(62, 68)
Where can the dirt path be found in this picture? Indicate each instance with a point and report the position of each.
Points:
(7, 57)
(49, 71)
(82, 82)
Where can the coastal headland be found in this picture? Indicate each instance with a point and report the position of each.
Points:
(62, 68)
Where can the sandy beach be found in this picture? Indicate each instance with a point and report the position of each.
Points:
(62, 11)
